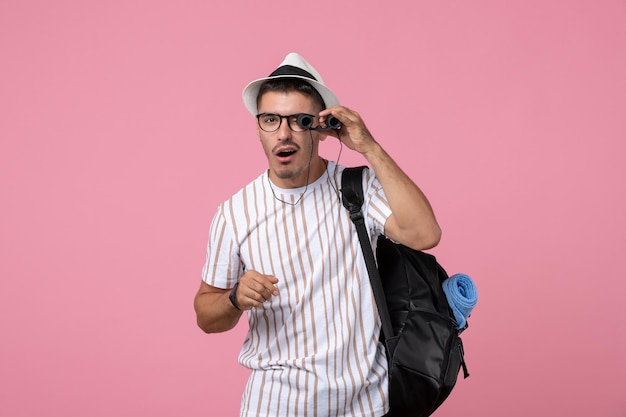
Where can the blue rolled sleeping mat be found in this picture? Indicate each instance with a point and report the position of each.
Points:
(462, 296)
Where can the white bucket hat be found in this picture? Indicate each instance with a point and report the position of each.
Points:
(293, 66)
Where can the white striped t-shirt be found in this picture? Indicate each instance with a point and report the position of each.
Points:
(314, 349)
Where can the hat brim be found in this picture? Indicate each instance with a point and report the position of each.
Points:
(251, 92)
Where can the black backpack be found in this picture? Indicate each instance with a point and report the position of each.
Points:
(424, 350)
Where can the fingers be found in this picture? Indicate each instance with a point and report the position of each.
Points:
(346, 116)
(353, 132)
(255, 289)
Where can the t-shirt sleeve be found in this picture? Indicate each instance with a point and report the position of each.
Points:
(223, 267)
(376, 207)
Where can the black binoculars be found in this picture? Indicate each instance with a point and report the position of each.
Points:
(305, 121)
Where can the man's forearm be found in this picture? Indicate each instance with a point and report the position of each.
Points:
(214, 311)
(414, 223)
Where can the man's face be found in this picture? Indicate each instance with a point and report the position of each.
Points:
(289, 153)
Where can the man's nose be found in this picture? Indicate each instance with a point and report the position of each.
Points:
(284, 131)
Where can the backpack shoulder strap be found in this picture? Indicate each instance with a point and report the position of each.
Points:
(352, 188)
(352, 199)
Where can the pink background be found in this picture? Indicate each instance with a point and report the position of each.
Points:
(122, 128)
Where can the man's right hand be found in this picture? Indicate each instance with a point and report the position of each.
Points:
(254, 289)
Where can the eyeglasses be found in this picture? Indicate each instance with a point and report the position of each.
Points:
(298, 122)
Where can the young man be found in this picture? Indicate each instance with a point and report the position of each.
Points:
(284, 250)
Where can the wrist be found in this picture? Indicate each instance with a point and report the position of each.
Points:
(233, 297)
(373, 152)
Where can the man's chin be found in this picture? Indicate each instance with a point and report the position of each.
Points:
(287, 176)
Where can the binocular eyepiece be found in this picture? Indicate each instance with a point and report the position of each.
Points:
(306, 122)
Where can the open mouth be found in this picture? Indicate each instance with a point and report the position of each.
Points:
(286, 153)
